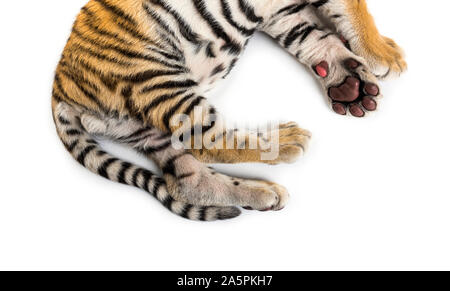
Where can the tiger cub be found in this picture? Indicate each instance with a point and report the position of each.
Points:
(131, 68)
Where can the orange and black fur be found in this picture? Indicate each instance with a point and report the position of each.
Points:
(132, 67)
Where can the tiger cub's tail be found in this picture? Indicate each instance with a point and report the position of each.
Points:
(89, 154)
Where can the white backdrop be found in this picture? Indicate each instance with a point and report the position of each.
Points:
(370, 194)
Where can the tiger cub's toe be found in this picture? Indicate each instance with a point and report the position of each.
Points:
(293, 142)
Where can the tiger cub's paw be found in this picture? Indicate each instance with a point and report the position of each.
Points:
(293, 142)
(267, 196)
(350, 86)
(383, 56)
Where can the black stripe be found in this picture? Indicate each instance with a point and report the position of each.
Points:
(216, 28)
(73, 132)
(185, 176)
(284, 9)
(185, 30)
(319, 3)
(169, 85)
(219, 69)
(202, 214)
(153, 150)
(124, 52)
(165, 30)
(56, 96)
(72, 146)
(169, 165)
(297, 8)
(64, 93)
(232, 65)
(149, 75)
(139, 139)
(226, 11)
(185, 212)
(117, 11)
(121, 176)
(168, 202)
(157, 183)
(105, 33)
(91, 96)
(210, 50)
(306, 32)
(249, 12)
(147, 175)
(194, 104)
(63, 121)
(137, 78)
(134, 179)
(293, 35)
(168, 115)
(103, 169)
(326, 35)
(126, 22)
(135, 134)
(127, 91)
(100, 56)
(162, 99)
(82, 156)
(79, 76)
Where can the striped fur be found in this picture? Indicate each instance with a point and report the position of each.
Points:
(149, 60)
(354, 22)
(89, 154)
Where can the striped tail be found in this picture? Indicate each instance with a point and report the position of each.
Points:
(89, 154)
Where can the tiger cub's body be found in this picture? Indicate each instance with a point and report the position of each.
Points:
(131, 66)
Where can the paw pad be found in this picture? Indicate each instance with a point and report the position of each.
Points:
(322, 69)
(371, 89)
(347, 92)
(355, 95)
(352, 64)
(369, 104)
(356, 110)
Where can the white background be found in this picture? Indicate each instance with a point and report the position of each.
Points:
(370, 194)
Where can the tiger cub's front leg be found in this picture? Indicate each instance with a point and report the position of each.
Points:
(344, 76)
(194, 123)
(354, 22)
(282, 144)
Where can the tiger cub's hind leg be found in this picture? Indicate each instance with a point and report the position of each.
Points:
(354, 22)
(188, 179)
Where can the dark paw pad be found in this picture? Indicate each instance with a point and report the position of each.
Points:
(369, 104)
(356, 110)
(354, 95)
(371, 89)
(347, 92)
